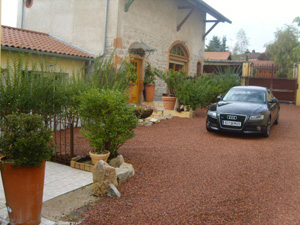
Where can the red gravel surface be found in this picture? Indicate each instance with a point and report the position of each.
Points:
(186, 175)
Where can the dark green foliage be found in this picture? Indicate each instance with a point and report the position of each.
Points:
(105, 75)
(215, 45)
(201, 91)
(284, 51)
(24, 89)
(171, 78)
(25, 140)
(108, 120)
(149, 75)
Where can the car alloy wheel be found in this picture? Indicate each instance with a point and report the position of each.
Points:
(267, 132)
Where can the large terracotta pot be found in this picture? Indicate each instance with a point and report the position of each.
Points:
(150, 89)
(96, 157)
(23, 188)
(169, 102)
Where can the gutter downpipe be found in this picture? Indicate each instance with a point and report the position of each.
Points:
(104, 36)
(105, 30)
(22, 18)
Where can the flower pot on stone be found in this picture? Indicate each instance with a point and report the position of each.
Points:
(96, 157)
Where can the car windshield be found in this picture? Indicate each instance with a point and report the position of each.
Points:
(245, 95)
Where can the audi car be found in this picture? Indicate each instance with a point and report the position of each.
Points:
(244, 109)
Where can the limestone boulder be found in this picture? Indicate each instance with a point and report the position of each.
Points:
(124, 172)
(103, 176)
(117, 162)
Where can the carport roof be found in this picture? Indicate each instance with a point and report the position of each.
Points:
(211, 11)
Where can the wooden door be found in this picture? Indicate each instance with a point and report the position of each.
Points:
(135, 92)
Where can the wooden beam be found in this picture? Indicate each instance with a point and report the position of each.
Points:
(185, 19)
(128, 4)
(185, 7)
(210, 30)
(211, 21)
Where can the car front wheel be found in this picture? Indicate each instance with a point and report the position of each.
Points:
(267, 131)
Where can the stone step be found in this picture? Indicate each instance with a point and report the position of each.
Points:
(158, 104)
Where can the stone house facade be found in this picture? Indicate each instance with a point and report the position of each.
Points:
(175, 29)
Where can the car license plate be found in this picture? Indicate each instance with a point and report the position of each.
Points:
(231, 123)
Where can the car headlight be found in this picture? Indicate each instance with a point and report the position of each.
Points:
(212, 114)
(258, 117)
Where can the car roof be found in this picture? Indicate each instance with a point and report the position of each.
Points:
(251, 88)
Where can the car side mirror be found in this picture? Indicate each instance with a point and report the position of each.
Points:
(220, 97)
(273, 100)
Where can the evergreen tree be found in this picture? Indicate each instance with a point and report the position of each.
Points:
(215, 45)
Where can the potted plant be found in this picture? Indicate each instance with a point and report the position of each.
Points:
(171, 78)
(25, 145)
(149, 83)
(131, 76)
(144, 112)
(107, 119)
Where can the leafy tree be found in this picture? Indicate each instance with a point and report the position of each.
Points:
(284, 49)
(215, 45)
(297, 20)
(242, 43)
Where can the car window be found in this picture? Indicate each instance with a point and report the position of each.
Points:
(246, 95)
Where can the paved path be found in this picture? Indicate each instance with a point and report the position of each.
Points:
(59, 179)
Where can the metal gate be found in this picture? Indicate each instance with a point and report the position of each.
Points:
(284, 89)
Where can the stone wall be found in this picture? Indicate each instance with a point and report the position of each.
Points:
(82, 23)
(155, 23)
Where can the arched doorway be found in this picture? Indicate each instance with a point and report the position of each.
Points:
(178, 57)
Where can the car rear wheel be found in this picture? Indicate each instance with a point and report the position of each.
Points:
(267, 132)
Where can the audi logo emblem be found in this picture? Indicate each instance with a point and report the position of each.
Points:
(231, 117)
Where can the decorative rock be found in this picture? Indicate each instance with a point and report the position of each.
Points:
(148, 124)
(141, 122)
(124, 172)
(154, 120)
(169, 116)
(117, 162)
(103, 175)
(113, 191)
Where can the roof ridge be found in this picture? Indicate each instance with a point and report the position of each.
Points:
(26, 30)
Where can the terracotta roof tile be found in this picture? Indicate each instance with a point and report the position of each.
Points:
(217, 56)
(33, 40)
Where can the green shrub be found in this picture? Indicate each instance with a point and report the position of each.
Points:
(171, 78)
(25, 140)
(105, 76)
(149, 75)
(107, 118)
(38, 88)
(201, 91)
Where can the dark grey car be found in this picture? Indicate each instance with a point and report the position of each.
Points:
(244, 109)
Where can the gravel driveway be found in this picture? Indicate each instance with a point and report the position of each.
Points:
(185, 175)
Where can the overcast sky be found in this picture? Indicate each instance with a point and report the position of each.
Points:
(259, 18)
